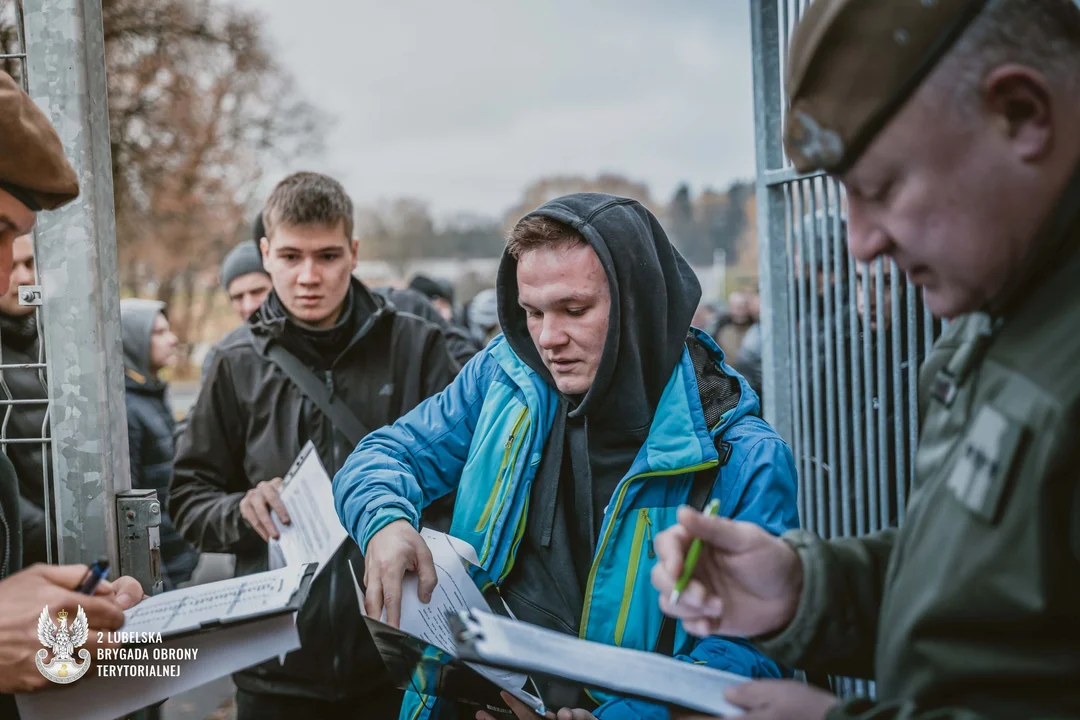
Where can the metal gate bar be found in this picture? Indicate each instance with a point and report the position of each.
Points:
(842, 341)
(76, 259)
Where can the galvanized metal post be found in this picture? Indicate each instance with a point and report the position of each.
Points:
(76, 260)
(776, 330)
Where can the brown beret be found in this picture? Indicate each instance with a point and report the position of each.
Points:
(32, 163)
(851, 66)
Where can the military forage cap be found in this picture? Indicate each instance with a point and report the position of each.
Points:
(851, 66)
(32, 163)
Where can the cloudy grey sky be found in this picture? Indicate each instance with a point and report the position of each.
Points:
(464, 103)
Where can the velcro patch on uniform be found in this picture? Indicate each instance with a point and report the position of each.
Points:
(987, 454)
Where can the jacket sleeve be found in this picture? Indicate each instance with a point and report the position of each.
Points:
(208, 480)
(398, 470)
(766, 483)
(835, 625)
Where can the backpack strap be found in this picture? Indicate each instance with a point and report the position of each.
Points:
(321, 393)
(699, 498)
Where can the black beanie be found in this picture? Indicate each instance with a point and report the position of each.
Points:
(433, 288)
(258, 230)
(243, 259)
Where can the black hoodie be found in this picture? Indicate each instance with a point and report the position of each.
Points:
(595, 438)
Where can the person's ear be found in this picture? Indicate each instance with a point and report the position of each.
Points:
(354, 248)
(1019, 100)
(264, 247)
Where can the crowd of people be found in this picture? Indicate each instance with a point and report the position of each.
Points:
(572, 423)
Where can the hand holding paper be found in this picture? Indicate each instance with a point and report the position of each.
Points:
(259, 503)
(452, 592)
(314, 532)
(391, 553)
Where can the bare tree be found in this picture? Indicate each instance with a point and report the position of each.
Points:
(198, 109)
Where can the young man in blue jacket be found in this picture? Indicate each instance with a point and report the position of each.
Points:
(571, 440)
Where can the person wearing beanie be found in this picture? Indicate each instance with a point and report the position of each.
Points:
(246, 283)
(244, 279)
(439, 292)
(483, 316)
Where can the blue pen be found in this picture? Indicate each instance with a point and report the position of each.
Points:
(94, 576)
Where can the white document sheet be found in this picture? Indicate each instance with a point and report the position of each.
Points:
(454, 593)
(506, 643)
(314, 532)
(234, 599)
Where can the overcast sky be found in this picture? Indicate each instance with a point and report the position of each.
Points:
(464, 103)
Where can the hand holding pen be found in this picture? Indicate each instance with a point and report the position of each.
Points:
(723, 576)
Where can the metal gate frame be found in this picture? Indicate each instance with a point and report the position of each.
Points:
(840, 351)
(75, 255)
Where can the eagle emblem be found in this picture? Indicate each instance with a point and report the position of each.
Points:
(62, 641)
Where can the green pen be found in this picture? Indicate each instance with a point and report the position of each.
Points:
(692, 556)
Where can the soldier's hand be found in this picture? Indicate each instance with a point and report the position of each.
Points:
(746, 583)
(256, 505)
(23, 596)
(781, 700)
(391, 552)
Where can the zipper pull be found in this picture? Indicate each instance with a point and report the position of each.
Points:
(330, 383)
(651, 552)
(509, 441)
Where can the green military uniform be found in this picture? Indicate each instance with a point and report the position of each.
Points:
(972, 609)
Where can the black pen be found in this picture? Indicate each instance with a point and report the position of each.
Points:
(94, 576)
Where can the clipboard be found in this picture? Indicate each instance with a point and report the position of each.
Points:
(412, 663)
(489, 639)
(226, 642)
(191, 598)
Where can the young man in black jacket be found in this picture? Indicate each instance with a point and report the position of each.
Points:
(251, 420)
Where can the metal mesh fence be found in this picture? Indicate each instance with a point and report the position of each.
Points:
(845, 339)
(24, 398)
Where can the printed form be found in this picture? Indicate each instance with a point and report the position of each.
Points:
(454, 593)
(314, 532)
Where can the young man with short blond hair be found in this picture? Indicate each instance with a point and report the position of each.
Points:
(252, 419)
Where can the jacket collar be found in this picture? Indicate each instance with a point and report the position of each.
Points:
(678, 437)
(266, 328)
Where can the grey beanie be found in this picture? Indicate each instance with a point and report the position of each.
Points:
(243, 259)
(484, 311)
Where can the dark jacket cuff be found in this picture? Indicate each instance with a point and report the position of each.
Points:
(791, 644)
